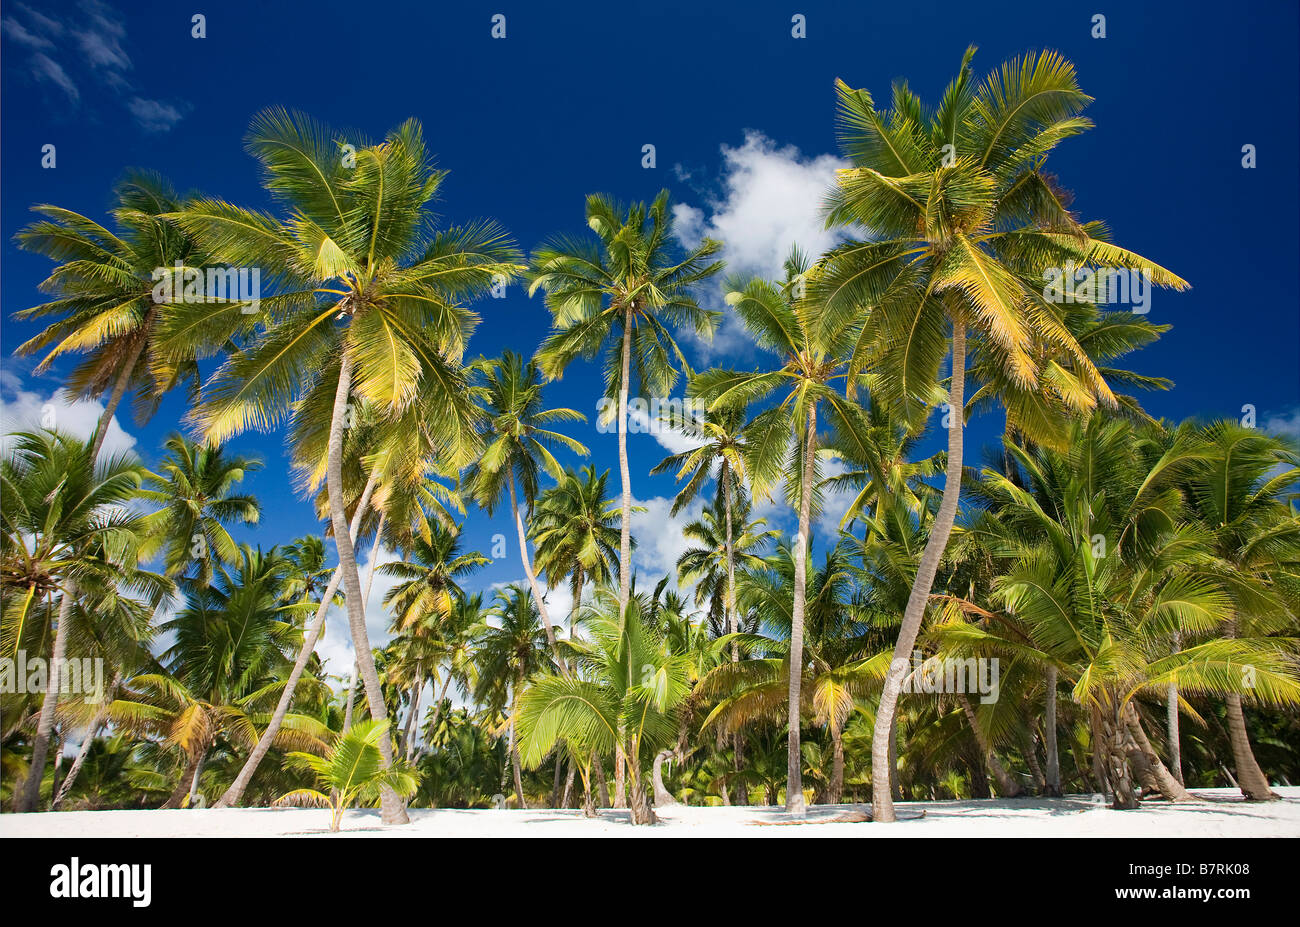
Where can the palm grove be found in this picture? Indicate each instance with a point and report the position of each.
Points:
(1133, 579)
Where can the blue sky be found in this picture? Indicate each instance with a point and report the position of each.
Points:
(741, 115)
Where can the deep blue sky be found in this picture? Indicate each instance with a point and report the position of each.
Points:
(530, 124)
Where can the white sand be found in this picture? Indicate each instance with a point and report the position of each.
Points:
(1221, 813)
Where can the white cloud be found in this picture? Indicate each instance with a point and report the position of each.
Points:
(101, 41)
(771, 199)
(47, 69)
(154, 115)
(1286, 423)
(24, 410)
(20, 34)
(659, 538)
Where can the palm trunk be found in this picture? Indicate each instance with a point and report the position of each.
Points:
(598, 774)
(198, 775)
(1250, 778)
(642, 813)
(1053, 773)
(393, 807)
(101, 718)
(235, 794)
(532, 581)
(1031, 760)
(1155, 775)
(1171, 722)
(514, 740)
(733, 619)
(119, 387)
(625, 535)
(348, 706)
(882, 804)
(182, 786)
(370, 578)
(1007, 786)
(835, 792)
(1116, 756)
(437, 708)
(795, 803)
(30, 795)
(663, 798)
(412, 720)
(895, 786)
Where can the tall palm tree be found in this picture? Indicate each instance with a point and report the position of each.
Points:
(962, 224)
(508, 650)
(783, 319)
(67, 535)
(721, 438)
(518, 442)
(625, 290)
(368, 308)
(109, 304)
(193, 489)
(576, 534)
(710, 563)
(1242, 493)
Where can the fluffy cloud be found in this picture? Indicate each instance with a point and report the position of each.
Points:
(770, 199)
(25, 410)
(154, 115)
(1286, 423)
(659, 537)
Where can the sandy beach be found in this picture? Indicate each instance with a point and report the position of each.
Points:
(1220, 813)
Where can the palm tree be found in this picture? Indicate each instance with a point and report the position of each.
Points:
(109, 303)
(721, 440)
(423, 602)
(575, 533)
(508, 651)
(368, 309)
(962, 225)
(624, 290)
(709, 565)
(783, 319)
(517, 444)
(193, 491)
(351, 770)
(624, 698)
(843, 657)
(229, 655)
(66, 533)
(1241, 493)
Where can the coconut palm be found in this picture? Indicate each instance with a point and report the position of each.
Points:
(508, 650)
(367, 308)
(109, 299)
(1241, 492)
(783, 319)
(575, 533)
(963, 225)
(67, 536)
(709, 564)
(624, 698)
(844, 656)
(721, 438)
(193, 489)
(351, 770)
(517, 444)
(625, 291)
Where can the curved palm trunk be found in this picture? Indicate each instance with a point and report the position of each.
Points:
(663, 797)
(1250, 778)
(794, 799)
(235, 793)
(101, 718)
(532, 581)
(1007, 786)
(1153, 773)
(1114, 753)
(412, 720)
(30, 795)
(182, 787)
(198, 776)
(119, 387)
(882, 803)
(1052, 777)
(349, 705)
(393, 807)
